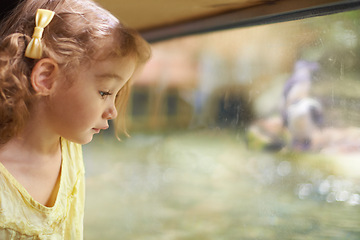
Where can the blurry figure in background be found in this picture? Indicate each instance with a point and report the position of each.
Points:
(302, 115)
(298, 86)
(304, 118)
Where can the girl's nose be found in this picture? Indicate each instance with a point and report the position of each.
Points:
(110, 113)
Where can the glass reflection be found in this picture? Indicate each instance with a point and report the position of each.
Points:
(241, 134)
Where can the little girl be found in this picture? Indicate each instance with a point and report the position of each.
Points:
(65, 67)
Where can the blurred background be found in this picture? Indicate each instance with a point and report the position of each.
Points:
(249, 133)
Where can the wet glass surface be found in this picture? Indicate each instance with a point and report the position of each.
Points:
(241, 134)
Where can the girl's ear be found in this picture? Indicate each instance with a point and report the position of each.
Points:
(44, 75)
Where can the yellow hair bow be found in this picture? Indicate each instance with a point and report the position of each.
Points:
(42, 19)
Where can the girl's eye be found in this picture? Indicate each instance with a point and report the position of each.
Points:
(103, 94)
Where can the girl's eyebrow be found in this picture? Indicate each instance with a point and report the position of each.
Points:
(108, 76)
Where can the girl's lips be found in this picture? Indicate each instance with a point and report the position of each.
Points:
(97, 130)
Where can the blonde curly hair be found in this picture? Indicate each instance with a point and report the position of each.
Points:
(79, 30)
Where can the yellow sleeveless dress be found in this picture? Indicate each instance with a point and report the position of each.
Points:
(21, 217)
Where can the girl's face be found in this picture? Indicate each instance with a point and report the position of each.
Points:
(78, 112)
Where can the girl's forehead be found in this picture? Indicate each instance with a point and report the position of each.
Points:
(107, 47)
(113, 62)
(116, 67)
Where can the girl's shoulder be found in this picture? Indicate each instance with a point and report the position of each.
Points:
(21, 216)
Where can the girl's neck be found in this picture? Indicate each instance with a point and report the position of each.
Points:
(36, 143)
(30, 147)
(36, 138)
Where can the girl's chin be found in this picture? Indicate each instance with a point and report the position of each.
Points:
(87, 140)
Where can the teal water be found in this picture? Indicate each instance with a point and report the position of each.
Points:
(209, 186)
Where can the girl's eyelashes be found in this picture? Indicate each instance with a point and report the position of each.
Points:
(103, 94)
